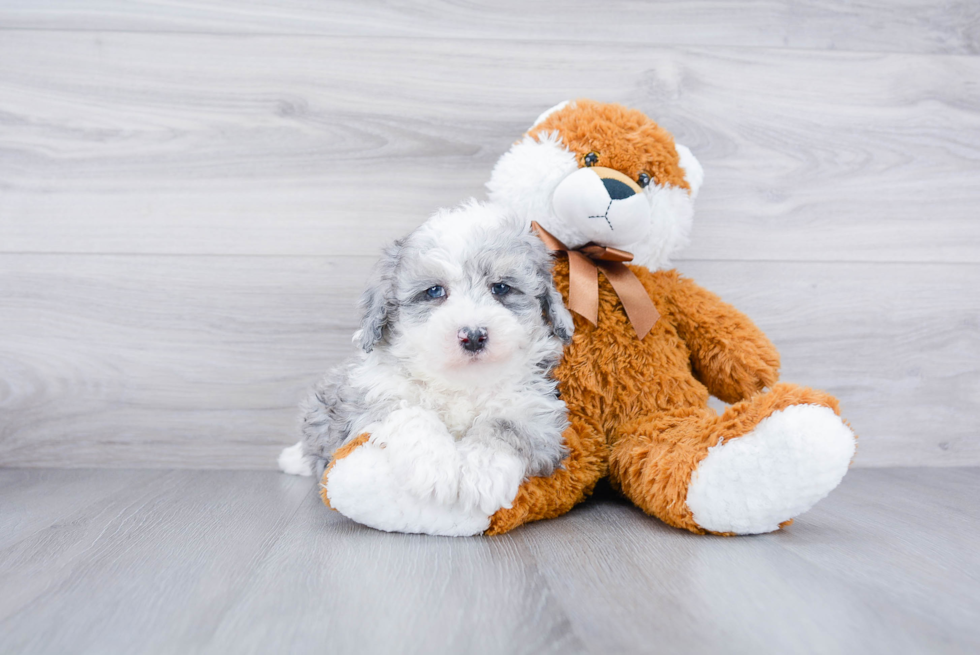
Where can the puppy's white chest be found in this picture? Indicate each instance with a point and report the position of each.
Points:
(458, 412)
(459, 409)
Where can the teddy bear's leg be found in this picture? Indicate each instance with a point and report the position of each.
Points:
(361, 484)
(410, 475)
(764, 461)
(547, 497)
(341, 453)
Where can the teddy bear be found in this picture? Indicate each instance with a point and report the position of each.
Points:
(613, 195)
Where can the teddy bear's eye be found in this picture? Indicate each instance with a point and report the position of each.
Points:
(591, 159)
(643, 180)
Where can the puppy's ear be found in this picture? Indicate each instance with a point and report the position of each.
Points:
(553, 307)
(378, 303)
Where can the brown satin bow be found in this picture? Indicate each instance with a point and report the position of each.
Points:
(584, 265)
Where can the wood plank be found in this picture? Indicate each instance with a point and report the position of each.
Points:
(200, 362)
(867, 514)
(166, 362)
(35, 499)
(241, 561)
(151, 569)
(293, 145)
(908, 26)
(331, 584)
(252, 562)
(814, 587)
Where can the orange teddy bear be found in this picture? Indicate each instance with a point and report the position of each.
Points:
(601, 179)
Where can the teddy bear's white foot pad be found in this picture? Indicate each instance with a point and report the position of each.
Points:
(413, 476)
(363, 487)
(782, 468)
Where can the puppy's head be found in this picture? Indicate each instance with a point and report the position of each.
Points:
(466, 299)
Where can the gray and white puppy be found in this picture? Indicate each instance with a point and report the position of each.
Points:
(461, 328)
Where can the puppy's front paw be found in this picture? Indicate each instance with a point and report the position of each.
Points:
(422, 453)
(490, 474)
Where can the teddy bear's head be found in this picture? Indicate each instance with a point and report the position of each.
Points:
(596, 172)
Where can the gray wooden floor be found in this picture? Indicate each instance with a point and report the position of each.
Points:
(248, 561)
(191, 196)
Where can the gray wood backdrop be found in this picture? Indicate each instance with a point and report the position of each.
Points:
(191, 196)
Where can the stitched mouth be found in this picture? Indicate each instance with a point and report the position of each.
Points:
(605, 215)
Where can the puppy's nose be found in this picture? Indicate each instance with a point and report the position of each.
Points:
(472, 339)
(616, 189)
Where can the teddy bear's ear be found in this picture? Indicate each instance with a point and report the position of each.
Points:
(540, 119)
(693, 172)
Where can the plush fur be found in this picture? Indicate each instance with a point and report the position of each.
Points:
(543, 177)
(450, 403)
(638, 410)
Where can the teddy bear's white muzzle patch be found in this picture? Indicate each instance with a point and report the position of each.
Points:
(604, 210)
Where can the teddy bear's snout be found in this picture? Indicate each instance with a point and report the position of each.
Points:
(602, 205)
(616, 189)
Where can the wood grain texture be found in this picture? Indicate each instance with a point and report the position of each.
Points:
(250, 562)
(861, 572)
(364, 591)
(172, 361)
(191, 195)
(34, 500)
(149, 568)
(164, 362)
(906, 26)
(296, 145)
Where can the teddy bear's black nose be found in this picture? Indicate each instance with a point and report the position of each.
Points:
(616, 189)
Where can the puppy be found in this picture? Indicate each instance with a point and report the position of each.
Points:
(461, 329)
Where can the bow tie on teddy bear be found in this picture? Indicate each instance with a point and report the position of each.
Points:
(584, 264)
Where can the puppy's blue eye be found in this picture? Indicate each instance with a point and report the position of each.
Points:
(643, 180)
(436, 292)
(499, 288)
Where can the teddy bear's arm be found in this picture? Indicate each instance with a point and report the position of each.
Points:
(729, 354)
(547, 497)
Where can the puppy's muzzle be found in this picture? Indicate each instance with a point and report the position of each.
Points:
(473, 339)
